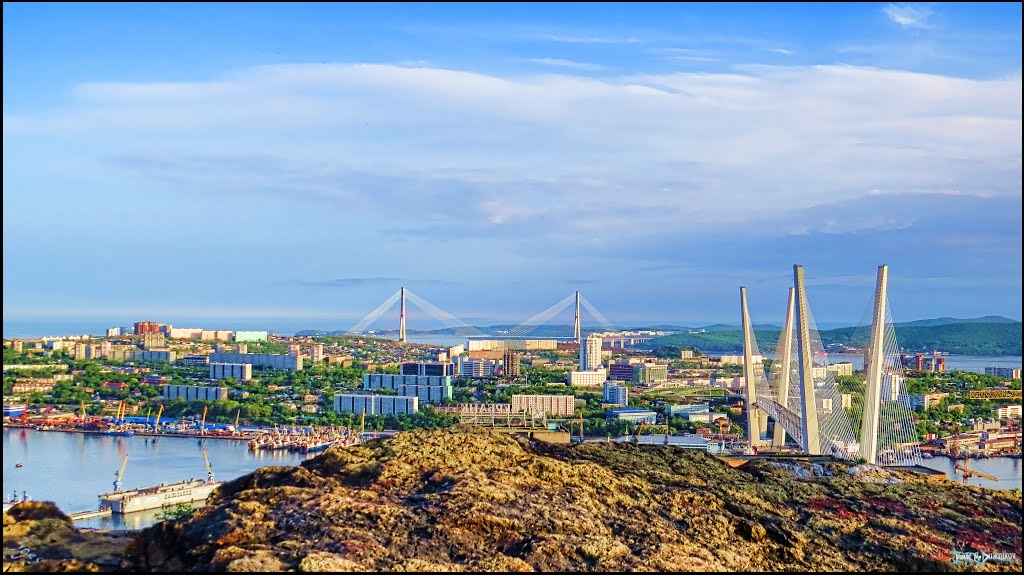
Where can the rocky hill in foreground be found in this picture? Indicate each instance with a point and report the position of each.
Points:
(470, 499)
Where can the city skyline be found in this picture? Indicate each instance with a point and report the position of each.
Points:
(303, 162)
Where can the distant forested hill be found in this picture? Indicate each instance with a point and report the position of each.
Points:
(989, 338)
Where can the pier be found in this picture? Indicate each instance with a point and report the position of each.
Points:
(83, 515)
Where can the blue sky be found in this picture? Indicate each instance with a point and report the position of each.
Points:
(183, 162)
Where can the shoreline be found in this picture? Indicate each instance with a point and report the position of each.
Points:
(184, 435)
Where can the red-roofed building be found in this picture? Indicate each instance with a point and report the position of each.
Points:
(115, 385)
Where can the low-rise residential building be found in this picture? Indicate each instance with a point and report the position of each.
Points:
(737, 359)
(1008, 411)
(194, 392)
(158, 356)
(594, 378)
(375, 404)
(634, 414)
(704, 417)
(239, 371)
(428, 388)
(671, 410)
(979, 425)
(29, 385)
(482, 367)
(436, 368)
(342, 360)
(286, 362)
(195, 360)
(153, 341)
(557, 405)
(841, 368)
(926, 401)
(1006, 372)
(185, 332)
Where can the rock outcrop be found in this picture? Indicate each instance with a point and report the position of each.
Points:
(470, 499)
(39, 538)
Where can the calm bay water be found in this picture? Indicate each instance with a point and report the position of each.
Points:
(72, 469)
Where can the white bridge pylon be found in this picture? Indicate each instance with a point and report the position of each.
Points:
(401, 295)
(803, 397)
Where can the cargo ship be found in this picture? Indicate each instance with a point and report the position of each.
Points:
(163, 495)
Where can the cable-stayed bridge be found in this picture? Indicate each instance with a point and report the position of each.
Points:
(872, 420)
(523, 330)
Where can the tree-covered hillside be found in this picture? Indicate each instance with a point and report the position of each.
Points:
(961, 338)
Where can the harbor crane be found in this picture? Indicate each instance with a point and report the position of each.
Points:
(994, 394)
(209, 469)
(120, 474)
(966, 468)
(159, 412)
(202, 426)
(639, 430)
(968, 472)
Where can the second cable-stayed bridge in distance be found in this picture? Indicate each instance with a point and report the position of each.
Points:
(526, 329)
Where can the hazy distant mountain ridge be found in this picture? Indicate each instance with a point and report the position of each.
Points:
(987, 335)
(985, 338)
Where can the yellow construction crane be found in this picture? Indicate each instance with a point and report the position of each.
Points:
(120, 474)
(238, 414)
(202, 426)
(994, 394)
(966, 467)
(82, 405)
(156, 424)
(636, 438)
(209, 470)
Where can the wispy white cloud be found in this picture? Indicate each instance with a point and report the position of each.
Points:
(908, 15)
(589, 39)
(782, 51)
(685, 54)
(570, 64)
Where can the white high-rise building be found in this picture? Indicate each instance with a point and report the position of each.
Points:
(590, 353)
(892, 386)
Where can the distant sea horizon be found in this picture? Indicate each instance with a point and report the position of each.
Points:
(37, 328)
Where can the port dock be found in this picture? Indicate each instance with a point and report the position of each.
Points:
(83, 515)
